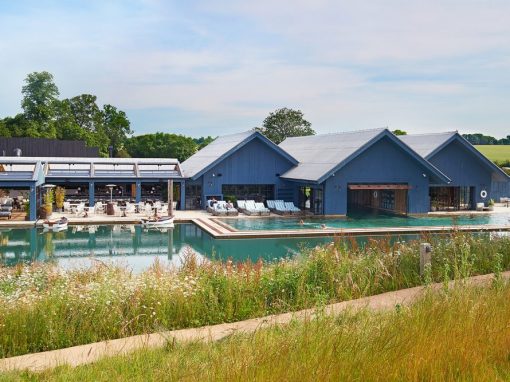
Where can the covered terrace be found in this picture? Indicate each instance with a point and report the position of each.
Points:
(90, 180)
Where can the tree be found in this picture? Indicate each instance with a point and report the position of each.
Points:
(116, 126)
(85, 111)
(284, 123)
(39, 97)
(203, 141)
(161, 145)
(399, 132)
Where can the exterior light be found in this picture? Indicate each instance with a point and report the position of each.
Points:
(424, 175)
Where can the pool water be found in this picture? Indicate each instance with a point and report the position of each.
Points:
(131, 246)
(366, 221)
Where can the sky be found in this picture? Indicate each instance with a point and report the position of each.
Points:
(218, 66)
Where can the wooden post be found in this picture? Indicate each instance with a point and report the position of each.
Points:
(170, 197)
(170, 243)
(425, 257)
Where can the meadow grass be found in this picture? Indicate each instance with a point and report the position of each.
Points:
(44, 308)
(457, 334)
(496, 153)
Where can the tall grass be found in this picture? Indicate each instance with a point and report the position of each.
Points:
(460, 334)
(44, 308)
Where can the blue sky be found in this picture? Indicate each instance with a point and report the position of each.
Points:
(216, 67)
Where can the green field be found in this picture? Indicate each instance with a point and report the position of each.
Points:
(496, 153)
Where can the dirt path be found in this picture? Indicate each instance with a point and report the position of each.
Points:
(83, 354)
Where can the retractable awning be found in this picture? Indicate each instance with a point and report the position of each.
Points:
(378, 187)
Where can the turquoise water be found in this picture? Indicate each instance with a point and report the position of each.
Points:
(129, 245)
(365, 221)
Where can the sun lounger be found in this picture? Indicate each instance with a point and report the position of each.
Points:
(263, 211)
(220, 209)
(241, 205)
(292, 208)
(270, 204)
(251, 209)
(280, 208)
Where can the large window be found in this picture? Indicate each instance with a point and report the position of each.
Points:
(451, 198)
(257, 192)
(193, 196)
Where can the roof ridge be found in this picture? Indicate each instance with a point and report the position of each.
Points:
(440, 133)
(340, 133)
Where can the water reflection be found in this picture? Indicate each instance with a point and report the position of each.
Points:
(137, 248)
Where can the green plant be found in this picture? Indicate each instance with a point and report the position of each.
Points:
(491, 203)
(43, 307)
(461, 334)
(231, 198)
(60, 195)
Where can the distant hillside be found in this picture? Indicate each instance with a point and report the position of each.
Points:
(497, 153)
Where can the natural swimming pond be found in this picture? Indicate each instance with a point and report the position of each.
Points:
(136, 248)
(366, 221)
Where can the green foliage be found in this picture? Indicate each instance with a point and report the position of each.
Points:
(399, 132)
(161, 145)
(284, 123)
(203, 141)
(116, 127)
(44, 308)
(481, 139)
(459, 335)
(39, 97)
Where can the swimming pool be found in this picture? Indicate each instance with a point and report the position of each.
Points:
(136, 248)
(366, 221)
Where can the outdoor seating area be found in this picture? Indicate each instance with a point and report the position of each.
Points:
(116, 208)
(283, 208)
(251, 208)
(13, 206)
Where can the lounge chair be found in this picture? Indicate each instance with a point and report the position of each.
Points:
(232, 211)
(148, 209)
(130, 208)
(251, 208)
(263, 211)
(292, 208)
(241, 205)
(5, 211)
(67, 207)
(98, 208)
(270, 205)
(220, 209)
(80, 208)
(280, 208)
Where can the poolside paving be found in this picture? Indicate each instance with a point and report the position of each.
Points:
(221, 230)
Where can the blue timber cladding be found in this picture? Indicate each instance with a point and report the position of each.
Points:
(253, 163)
(383, 162)
(464, 168)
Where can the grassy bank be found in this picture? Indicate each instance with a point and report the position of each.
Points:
(496, 153)
(460, 334)
(44, 308)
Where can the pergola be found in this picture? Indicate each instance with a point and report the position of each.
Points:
(32, 173)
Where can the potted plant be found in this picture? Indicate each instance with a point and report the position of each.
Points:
(27, 210)
(434, 206)
(490, 204)
(60, 195)
(48, 203)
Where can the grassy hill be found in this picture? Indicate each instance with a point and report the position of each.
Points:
(496, 153)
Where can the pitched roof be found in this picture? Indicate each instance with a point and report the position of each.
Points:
(321, 155)
(220, 148)
(426, 144)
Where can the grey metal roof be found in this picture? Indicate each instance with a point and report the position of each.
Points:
(319, 154)
(223, 146)
(58, 167)
(426, 144)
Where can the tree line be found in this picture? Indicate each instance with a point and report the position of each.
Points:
(81, 118)
(481, 139)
